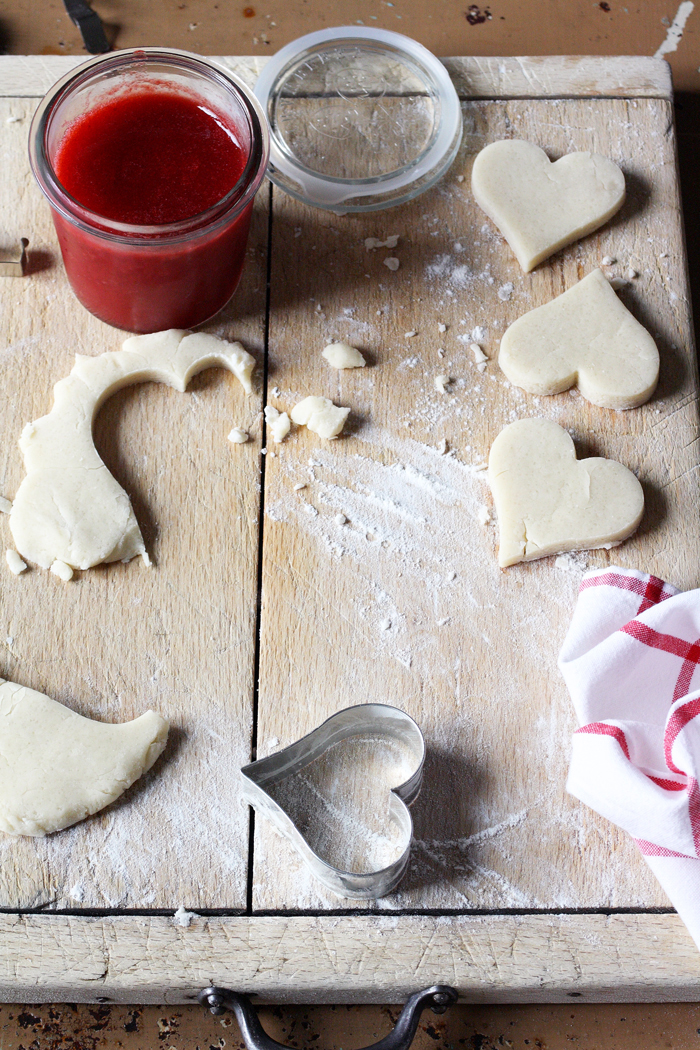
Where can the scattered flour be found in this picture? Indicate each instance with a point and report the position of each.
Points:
(505, 291)
(575, 562)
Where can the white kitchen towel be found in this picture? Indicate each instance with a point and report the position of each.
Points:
(631, 661)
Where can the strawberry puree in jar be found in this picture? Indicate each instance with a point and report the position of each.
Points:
(150, 160)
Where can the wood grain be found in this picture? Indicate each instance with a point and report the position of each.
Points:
(120, 639)
(308, 959)
(404, 602)
(553, 76)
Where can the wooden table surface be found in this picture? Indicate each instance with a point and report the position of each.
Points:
(499, 28)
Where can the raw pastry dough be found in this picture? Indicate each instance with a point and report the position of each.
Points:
(586, 337)
(58, 768)
(69, 508)
(540, 207)
(320, 415)
(548, 502)
(278, 422)
(342, 355)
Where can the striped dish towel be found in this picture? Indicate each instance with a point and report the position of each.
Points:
(631, 661)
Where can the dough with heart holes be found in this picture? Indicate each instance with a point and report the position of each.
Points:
(549, 502)
(585, 337)
(58, 768)
(69, 508)
(540, 206)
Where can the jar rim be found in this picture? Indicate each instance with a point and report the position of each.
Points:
(234, 202)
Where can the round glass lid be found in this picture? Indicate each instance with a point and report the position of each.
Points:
(360, 119)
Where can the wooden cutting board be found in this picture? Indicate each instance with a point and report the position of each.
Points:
(515, 890)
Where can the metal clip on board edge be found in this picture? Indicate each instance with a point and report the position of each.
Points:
(218, 1000)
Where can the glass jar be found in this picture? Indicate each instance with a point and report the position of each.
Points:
(171, 275)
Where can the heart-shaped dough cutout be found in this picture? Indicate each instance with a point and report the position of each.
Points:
(549, 502)
(540, 206)
(586, 337)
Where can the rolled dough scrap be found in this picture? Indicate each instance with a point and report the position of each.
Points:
(540, 206)
(320, 415)
(548, 502)
(342, 355)
(585, 337)
(58, 768)
(69, 507)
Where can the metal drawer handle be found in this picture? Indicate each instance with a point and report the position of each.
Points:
(438, 998)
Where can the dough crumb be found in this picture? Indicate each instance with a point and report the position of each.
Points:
(442, 327)
(146, 560)
(320, 415)
(373, 242)
(631, 274)
(183, 917)
(299, 486)
(444, 621)
(479, 355)
(385, 625)
(342, 355)
(483, 514)
(340, 519)
(608, 260)
(13, 120)
(441, 352)
(238, 436)
(14, 562)
(5, 505)
(478, 334)
(460, 178)
(392, 263)
(618, 282)
(410, 335)
(63, 571)
(276, 391)
(278, 423)
(441, 383)
(505, 291)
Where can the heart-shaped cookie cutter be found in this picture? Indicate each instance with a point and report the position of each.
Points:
(364, 720)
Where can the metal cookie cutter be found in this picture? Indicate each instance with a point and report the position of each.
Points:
(13, 264)
(373, 721)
